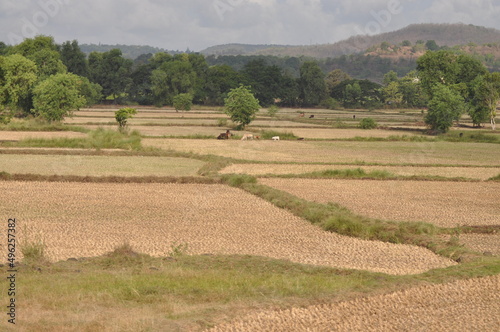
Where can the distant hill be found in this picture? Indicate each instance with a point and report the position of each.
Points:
(128, 51)
(443, 34)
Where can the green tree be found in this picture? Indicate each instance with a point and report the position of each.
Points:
(334, 78)
(390, 77)
(183, 102)
(241, 106)
(485, 101)
(122, 116)
(159, 87)
(19, 76)
(74, 59)
(220, 80)
(392, 94)
(431, 45)
(312, 84)
(57, 97)
(111, 71)
(44, 52)
(446, 106)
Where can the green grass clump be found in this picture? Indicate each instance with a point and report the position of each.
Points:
(495, 178)
(268, 134)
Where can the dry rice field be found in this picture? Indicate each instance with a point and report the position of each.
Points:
(330, 133)
(467, 305)
(76, 220)
(421, 153)
(479, 173)
(20, 135)
(446, 204)
(98, 165)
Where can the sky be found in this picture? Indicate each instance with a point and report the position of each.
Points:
(198, 24)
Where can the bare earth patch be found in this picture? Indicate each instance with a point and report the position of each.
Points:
(78, 220)
(20, 135)
(467, 305)
(446, 204)
(481, 173)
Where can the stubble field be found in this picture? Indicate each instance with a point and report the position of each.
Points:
(210, 219)
(387, 285)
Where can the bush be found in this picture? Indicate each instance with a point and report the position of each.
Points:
(330, 103)
(122, 116)
(367, 123)
(183, 102)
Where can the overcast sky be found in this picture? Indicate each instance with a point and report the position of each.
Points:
(197, 24)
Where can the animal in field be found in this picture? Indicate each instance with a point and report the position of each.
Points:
(247, 137)
(276, 138)
(311, 116)
(225, 135)
(301, 115)
(354, 116)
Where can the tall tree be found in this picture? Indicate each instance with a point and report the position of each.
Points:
(445, 106)
(241, 106)
(312, 84)
(74, 59)
(112, 71)
(486, 98)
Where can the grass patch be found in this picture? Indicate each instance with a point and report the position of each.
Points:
(40, 125)
(495, 178)
(269, 134)
(97, 139)
(473, 136)
(197, 292)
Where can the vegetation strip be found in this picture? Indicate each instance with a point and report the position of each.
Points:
(335, 218)
(107, 179)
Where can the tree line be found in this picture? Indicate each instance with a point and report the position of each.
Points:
(40, 78)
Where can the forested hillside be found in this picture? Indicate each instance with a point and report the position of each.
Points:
(442, 34)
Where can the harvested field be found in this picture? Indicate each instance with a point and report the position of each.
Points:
(423, 153)
(485, 243)
(78, 220)
(467, 305)
(319, 133)
(152, 114)
(20, 135)
(143, 121)
(98, 165)
(446, 204)
(480, 173)
(158, 131)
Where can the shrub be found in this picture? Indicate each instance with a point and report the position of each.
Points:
(330, 103)
(122, 116)
(367, 123)
(183, 102)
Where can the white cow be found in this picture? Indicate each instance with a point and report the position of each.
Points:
(247, 137)
(276, 138)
